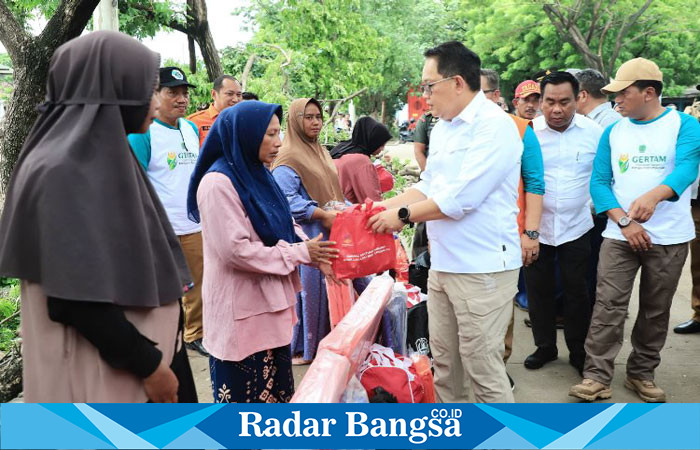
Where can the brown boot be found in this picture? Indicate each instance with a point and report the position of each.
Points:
(590, 390)
(647, 390)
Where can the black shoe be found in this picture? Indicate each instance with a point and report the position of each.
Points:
(541, 357)
(577, 362)
(560, 323)
(688, 327)
(197, 347)
(512, 383)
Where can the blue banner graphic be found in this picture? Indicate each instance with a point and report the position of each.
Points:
(346, 426)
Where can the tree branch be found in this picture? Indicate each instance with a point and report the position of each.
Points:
(12, 35)
(150, 14)
(624, 30)
(69, 20)
(284, 53)
(246, 70)
(340, 102)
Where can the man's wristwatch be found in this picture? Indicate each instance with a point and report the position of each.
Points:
(532, 234)
(624, 221)
(405, 215)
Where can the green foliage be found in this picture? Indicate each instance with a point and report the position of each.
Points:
(518, 39)
(144, 18)
(9, 305)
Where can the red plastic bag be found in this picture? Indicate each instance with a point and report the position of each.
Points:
(362, 252)
(401, 262)
(395, 373)
(341, 297)
(386, 179)
(425, 372)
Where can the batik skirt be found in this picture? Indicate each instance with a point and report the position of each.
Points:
(263, 377)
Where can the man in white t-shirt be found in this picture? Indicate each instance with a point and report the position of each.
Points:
(168, 153)
(641, 174)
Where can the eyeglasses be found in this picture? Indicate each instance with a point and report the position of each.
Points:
(488, 91)
(427, 88)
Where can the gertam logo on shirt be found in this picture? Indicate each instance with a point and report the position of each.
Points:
(172, 160)
(624, 162)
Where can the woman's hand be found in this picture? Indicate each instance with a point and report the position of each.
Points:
(329, 218)
(161, 386)
(327, 270)
(321, 251)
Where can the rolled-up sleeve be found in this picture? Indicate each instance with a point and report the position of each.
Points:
(301, 205)
(602, 176)
(489, 159)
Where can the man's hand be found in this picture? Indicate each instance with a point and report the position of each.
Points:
(637, 237)
(530, 249)
(643, 207)
(385, 221)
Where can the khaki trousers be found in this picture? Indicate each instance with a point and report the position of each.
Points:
(661, 269)
(192, 301)
(695, 264)
(468, 315)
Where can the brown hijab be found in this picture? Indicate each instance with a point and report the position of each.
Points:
(308, 158)
(81, 219)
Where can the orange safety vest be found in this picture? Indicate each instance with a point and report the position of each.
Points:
(522, 125)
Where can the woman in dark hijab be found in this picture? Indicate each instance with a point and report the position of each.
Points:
(358, 176)
(83, 229)
(252, 248)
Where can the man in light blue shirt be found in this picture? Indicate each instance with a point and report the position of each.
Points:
(468, 197)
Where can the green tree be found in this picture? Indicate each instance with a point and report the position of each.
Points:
(30, 57)
(519, 39)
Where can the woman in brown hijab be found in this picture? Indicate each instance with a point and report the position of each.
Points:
(83, 229)
(305, 172)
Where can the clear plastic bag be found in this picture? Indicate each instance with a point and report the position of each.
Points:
(394, 325)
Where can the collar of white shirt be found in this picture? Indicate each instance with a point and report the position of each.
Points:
(540, 123)
(469, 112)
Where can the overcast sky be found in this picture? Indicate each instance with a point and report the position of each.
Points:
(225, 28)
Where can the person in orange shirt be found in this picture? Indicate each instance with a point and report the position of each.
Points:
(225, 92)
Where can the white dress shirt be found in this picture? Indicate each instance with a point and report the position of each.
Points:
(472, 174)
(568, 164)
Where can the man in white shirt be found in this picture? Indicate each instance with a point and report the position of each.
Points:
(168, 152)
(468, 195)
(568, 141)
(591, 102)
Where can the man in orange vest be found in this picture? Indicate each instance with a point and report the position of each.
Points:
(226, 92)
(530, 192)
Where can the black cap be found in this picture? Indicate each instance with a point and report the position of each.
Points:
(172, 77)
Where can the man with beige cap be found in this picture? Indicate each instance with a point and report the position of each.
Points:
(641, 173)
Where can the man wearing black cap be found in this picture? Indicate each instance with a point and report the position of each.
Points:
(168, 152)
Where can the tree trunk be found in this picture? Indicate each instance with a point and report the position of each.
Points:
(383, 113)
(193, 54)
(30, 86)
(202, 35)
(190, 39)
(30, 60)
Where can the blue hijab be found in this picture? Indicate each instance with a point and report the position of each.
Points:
(232, 148)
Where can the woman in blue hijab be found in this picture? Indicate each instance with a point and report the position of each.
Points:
(252, 249)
